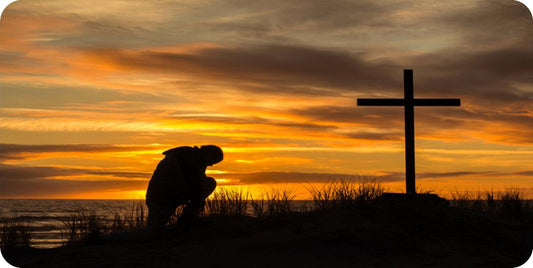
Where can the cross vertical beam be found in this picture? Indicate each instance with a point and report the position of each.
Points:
(409, 116)
(409, 102)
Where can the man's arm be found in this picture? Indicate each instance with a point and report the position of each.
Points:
(197, 174)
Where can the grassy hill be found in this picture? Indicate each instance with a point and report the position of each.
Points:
(373, 233)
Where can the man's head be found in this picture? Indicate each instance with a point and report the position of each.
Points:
(211, 154)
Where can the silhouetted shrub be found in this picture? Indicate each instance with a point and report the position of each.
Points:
(345, 193)
(14, 234)
(133, 220)
(512, 203)
(83, 227)
(277, 202)
(227, 202)
(509, 203)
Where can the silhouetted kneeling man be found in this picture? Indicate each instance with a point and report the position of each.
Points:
(180, 179)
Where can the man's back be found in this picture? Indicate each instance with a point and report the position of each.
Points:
(170, 183)
(180, 179)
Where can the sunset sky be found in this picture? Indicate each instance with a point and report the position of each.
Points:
(91, 92)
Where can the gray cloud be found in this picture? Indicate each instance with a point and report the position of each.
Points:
(525, 173)
(11, 172)
(298, 177)
(271, 65)
(388, 136)
(293, 177)
(271, 17)
(16, 181)
(426, 175)
(122, 174)
(256, 120)
(389, 120)
(487, 23)
(434, 175)
(171, 22)
(482, 77)
(16, 172)
(18, 151)
(15, 95)
(352, 114)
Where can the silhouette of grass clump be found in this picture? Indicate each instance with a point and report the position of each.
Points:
(236, 202)
(512, 204)
(509, 203)
(345, 193)
(227, 202)
(277, 202)
(89, 227)
(82, 227)
(15, 234)
(133, 220)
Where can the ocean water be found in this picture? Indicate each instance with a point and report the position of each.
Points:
(45, 217)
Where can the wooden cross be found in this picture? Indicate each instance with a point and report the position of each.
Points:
(408, 102)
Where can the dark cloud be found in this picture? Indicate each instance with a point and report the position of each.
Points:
(268, 65)
(16, 172)
(122, 174)
(19, 151)
(353, 114)
(17, 181)
(483, 77)
(296, 177)
(488, 22)
(47, 187)
(388, 136)
(388, 120)
(15, 95)
(9, 172)
(321, 16)
(434, 175)
(525, 173)
(428, 175)
(257, 120)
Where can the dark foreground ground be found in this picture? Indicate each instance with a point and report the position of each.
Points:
(378, 235)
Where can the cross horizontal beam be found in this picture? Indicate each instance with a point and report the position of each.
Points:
(404, 102)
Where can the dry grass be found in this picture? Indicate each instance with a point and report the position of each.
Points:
(509, 203)
(228, 202)
(235, 201)
(345, 193)
(14, 234)
(277, 202)
(83, 227)
(133, 220)
(89, 227)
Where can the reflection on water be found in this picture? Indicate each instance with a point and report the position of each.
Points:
(45, 217)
